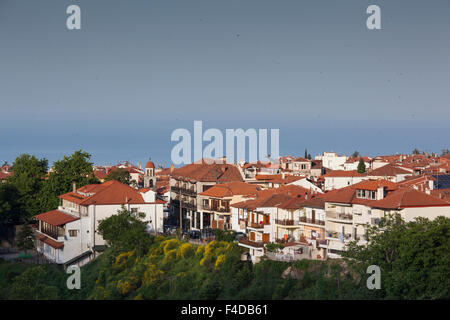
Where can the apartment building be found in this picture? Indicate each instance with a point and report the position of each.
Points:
(190, 180)
(68, 235)
(350, 210)
(331, 160)
(340, 178)
(216, 202)
(257, 217)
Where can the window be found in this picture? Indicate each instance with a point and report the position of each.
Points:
(134, 210)
(73, 233)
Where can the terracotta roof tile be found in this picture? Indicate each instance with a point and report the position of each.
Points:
(56, 217)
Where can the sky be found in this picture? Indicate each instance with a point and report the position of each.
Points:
(137, 70)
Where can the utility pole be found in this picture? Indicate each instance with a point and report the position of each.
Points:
(181, 214)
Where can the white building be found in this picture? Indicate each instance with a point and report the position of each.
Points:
(340, 179)
(350, 210)
(332, 160)
(68, 235)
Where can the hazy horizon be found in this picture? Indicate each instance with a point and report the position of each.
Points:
(138, 70)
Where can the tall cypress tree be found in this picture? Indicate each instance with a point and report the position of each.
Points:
(361, 166)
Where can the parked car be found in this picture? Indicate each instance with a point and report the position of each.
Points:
(195, 234)
(239, 235)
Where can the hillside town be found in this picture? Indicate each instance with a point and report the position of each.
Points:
(310, 208)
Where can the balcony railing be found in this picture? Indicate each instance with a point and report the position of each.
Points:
(315, 221)
(256, 244)
(340, 216)
(189, 205)
(337, 235)
(187, 191)
(256, 225)
(289, 222)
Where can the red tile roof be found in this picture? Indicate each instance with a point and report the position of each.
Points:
(388, 170)
(56, 217)
(204, 172)
(4, 175)
(50, 242)
(230, 189)
(111, 192)
(406, 197)
(343, 174)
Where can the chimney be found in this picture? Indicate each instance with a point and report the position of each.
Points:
(380, 192)
(171, 168)
(283, 175)
(74, 187)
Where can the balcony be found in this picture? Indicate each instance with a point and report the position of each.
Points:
(256, 225)
(337, 235)
(186, 191)
(255, 244)
(340, 216)
(311, 221)
(189, 205)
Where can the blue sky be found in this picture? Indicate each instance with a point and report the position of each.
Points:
(137, 70)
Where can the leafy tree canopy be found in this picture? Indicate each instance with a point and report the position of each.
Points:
(25, 238)
(74, 168)
(413, 257)
(28, 179)
(10, 206)
(126, 231)
(120, 175)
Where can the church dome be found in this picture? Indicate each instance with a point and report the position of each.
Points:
(150, 165)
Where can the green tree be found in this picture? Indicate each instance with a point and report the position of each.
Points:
(413, 257)
(309, 156)
(120, 175)
(416, 151)
(10, 207)
(31, 285)
(355, 154)
(306, 154)
(361, 166)
(28, 179)
(25, 238)
(74, 168)
(126, 231)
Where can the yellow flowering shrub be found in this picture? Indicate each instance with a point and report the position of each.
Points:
(184, 251)
(170, 255)
(123, 258)
(127, 285)
(219, 261)
(169, 245)
(139, 297)
(152, 274)
(200, 251)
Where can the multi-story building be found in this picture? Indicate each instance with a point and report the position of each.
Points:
(190, 180)
(257, 217)
(331, 160)
(216, 202)
(340, 178)
(68, 235)
(350, 210)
